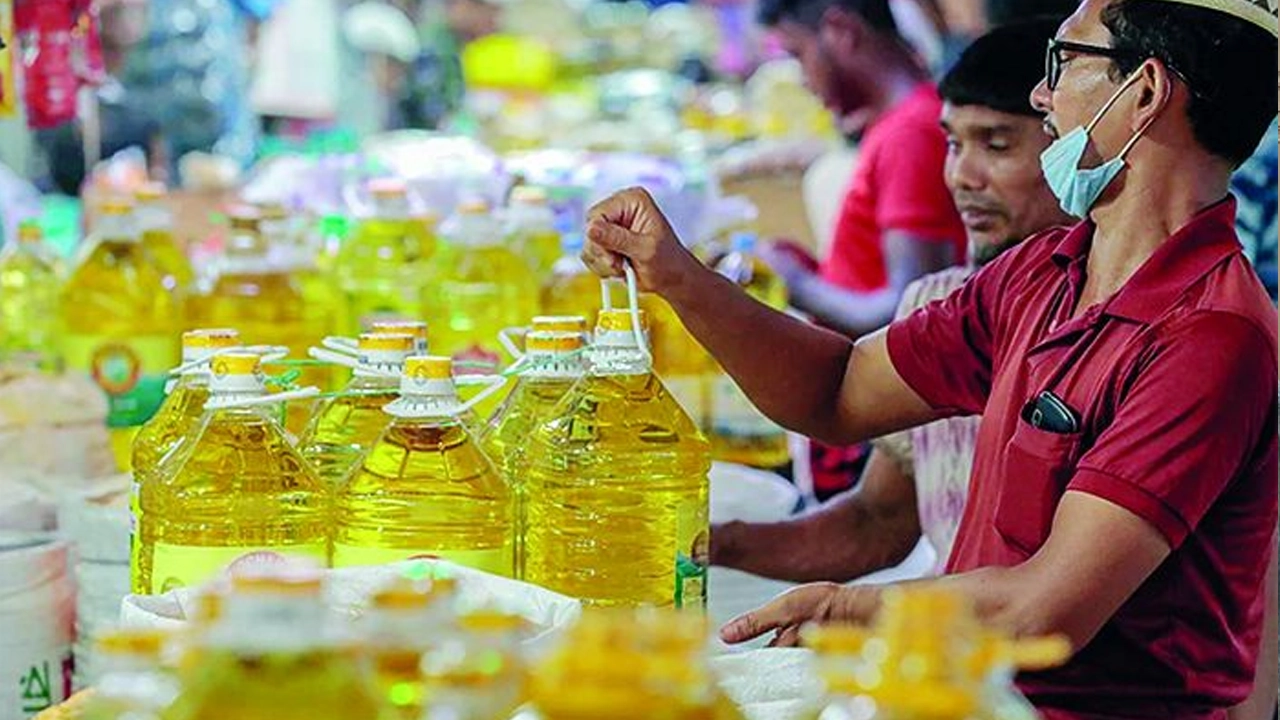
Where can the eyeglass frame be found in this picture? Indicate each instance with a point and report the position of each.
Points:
(1054, 64)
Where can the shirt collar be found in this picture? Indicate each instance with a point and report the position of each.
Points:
(1185, 257)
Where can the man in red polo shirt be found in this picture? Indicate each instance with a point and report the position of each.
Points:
(1125, 481)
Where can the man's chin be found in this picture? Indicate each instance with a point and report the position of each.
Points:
(984, 250)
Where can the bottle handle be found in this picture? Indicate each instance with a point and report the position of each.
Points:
(633, 305)
(268, 353)
(341, 344)
(505, 336)
(495, 383)
(337, 358)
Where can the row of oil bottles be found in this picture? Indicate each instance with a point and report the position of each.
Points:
(589, 478)
(132, 289)
(261, 646)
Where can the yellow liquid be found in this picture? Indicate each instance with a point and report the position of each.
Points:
(377, 277)
(572, 289)
(531, 403)
(682, 363)
(311, 685)
(479, 292)
(617, 497)
(426, 488)
(541, 249)
(120, 325)
(169, 258)
(739, 432)
(268, 308)
(345, 428)
(178, 417)
(236, 488)
(28, 301)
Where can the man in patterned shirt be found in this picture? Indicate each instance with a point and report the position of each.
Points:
(916, 482)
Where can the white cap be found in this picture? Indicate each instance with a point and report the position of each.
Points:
(1259, 12)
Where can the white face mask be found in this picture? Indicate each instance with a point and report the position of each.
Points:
(1077, 188)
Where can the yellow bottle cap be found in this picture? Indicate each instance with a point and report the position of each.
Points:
(210, 339)
(148, 642)
(150, 192)
(491, 621)
(386, 341)
(473, 207)
(414, 328)
(116, 206)
(528, 195)
(30, 232)
(272, 211)
(268, 580)
(243, 217)
(403, 594)
(552, 342)
(429, 367)
(235, 364)
(560, 323)
(618, 320)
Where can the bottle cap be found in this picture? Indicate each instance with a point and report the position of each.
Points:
(473, 207)
(618, 320)
(272, 211)
(210, 339)
(428, 367)
(560, 323)
(553, 342)
(387, 188)
(415, 328)
(386, 342)
(116, 206)
(276, 580)
(148, 642)
(528, 195)
(150, 192)
(244, 218)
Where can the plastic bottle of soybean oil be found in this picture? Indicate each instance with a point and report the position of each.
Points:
(346, 426)
(155, 223)
(236, 487)
(134, 684)
(426, 488)
(552, 364)
(617, 484)
(739, 432)
(270, 656)
(376, 272)
(28, 300)
(571, 288)
(404, 620)
(120, 324)
(531, 227)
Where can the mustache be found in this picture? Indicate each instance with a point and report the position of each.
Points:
(966, 202)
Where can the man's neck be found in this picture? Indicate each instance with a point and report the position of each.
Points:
(1149, 210)
(893, 81)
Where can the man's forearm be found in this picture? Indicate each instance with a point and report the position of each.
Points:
(792, 371)
(850, 313)
(841, 541)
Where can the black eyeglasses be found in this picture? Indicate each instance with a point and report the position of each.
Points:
(1054, 62)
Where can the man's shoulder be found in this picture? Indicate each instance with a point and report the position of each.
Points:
(931, 287)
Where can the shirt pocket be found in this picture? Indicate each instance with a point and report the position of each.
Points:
(1037, 467)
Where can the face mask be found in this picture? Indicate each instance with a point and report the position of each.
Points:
(1076, 188)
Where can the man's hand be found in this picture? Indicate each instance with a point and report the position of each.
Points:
(629, 226)
(790, 611)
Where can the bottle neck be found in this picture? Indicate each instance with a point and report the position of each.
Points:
(117, 228)
(619, 359)
(554, 366)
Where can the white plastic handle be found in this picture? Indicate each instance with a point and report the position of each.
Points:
(495, 383)
(341, 344)
(267, 353)
(337, 358)
(633, 305)
(299, 394)
(505, 339)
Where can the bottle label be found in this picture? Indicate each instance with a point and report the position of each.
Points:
(693, 549)
(733, 415)
(175, 566)
(496, 561)
(131, 371)
(690, 392)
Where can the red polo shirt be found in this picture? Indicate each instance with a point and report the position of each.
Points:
(1174, 378)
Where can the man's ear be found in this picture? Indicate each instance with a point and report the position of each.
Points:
(1156, 86)
(841, 31)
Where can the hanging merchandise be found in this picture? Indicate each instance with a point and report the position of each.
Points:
(235, 488)
(617, 482)
(426, 488)
(120, 324)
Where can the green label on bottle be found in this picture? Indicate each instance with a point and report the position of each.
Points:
(692, 552)
(131, 371)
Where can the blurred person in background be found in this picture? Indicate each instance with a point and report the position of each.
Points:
(916, 482)
(124, 118)
(897, 221)
(433, 89)
(1254, 186)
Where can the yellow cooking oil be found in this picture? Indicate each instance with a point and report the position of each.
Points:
(739, 432)
(479, 671)
(155, 223)
(290, 251)
(571, 288)
(683, 364)
(617, 485)
(28, 300)
(236, 489)
(483, 287)
(347, 425)
(120, 324)
(552, 364)
(377, 274)
(180, 413)
(262, 300)
(271, 655)
(426, 488)
(531, 228)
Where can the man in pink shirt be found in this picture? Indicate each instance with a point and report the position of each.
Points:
(1124, 488)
